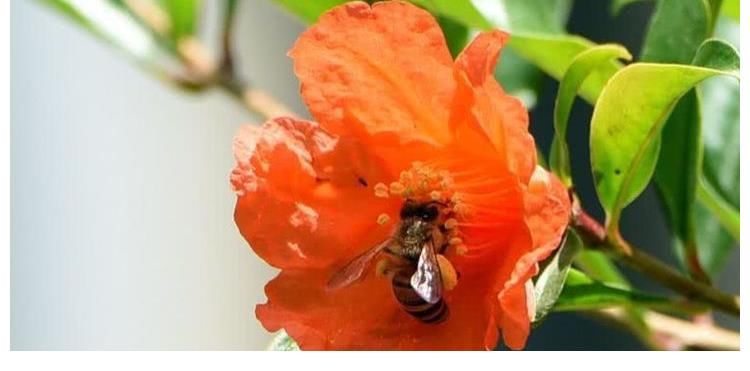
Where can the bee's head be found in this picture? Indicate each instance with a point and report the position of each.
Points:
(427, 211)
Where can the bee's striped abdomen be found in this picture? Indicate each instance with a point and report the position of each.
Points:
(414, 304)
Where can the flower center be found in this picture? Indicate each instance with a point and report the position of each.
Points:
(424, 184)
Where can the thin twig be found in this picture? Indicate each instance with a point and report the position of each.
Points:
(674, 333)
(591, 231)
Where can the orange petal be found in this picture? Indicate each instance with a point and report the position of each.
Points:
(547, 214)
(388, 65)
(502, 116)
(306, 196)
(366, 316)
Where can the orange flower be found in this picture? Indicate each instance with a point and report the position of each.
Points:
(397, 119)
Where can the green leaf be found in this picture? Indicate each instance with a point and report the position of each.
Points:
(579, 69)
(183, 15)
(731, 9)
(719, 55)
(677, 29)
(617, 5)
(677, 174)
(112, 24)
(456, 34)
(549, 283)
(583, 293)
(282, 342)
(728, 216)
(518, 77)
(554, 53)
(626, 127)
(720, 104)
(308, 11)
(460, 11)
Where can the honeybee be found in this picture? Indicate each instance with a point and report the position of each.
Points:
(416, 281)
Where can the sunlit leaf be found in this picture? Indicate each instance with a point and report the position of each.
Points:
(626, 127)
(554, 53)
(579, 69)
(308, 11)
(460, 11)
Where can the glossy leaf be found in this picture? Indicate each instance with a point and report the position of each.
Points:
(626, 127)
(583, 293)
(460, 11)
(579, 69)
(554, 53)
(549, 283)
(677, 29)
(282, 342)
(720, 104)
(308, 11)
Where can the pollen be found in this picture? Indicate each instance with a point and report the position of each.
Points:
(397, 188)
(461, 250)
(383, 219)
(451, 223)
(381, 190)
(436, 195)
(447, 273)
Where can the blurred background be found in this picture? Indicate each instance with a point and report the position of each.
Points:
(122, 233)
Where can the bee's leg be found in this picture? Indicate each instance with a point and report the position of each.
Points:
(389, 264)
(447, 273)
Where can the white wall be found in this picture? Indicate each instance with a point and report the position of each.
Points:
(122, 234)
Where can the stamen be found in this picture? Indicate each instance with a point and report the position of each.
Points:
(461, 250)
(397, 188)
(381, 190)
(451, 223)
(455, 241)
(383, 218)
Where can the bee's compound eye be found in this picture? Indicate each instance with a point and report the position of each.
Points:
(430, 212)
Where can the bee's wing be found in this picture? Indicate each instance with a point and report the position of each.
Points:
(353, 270)
(426, 281)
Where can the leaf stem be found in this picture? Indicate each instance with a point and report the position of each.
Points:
(660, 272)
(721, 209)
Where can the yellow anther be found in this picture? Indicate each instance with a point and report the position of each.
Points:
(451, 223)
(447, 273)
(383, 218)
(397, 188)
(436, 195)
(381, 190)
(455, 241)
(461, 250)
